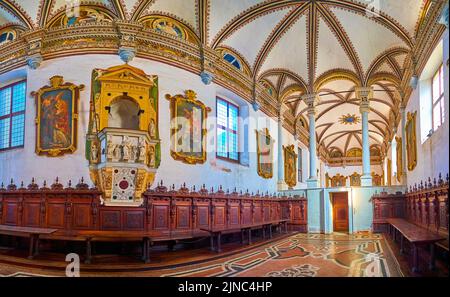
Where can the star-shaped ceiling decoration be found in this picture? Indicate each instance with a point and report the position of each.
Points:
(349, 119)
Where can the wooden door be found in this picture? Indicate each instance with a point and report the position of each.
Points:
(340, 211)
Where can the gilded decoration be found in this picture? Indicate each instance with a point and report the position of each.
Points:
(377, 180)
(399, 158)
(123, 146)
(411, 140)
(354, 152)
(349, 119)
(290, 165)
(336, 181)
(389, 172)
(264, 147)
(188, 128)
(80, 15)
(170, 26)
(355, 180)
(57, 117)
(90, 30)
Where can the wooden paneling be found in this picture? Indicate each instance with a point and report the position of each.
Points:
(110, 219)
(385, 207)
(133, 219)
(165, 213)
(82, 217)
(425, 205)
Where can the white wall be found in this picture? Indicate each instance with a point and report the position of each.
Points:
(23, 163)
(432, 154)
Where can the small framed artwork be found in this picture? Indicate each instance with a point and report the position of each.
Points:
(290, 166)
(264, 144)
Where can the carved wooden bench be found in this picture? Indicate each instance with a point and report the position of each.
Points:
(215, 234)
(31, 232)
(417, 236)
(90, 236)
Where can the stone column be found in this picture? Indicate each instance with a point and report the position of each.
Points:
(281, 183)
(311, 101)
(403, 133)
(364, 94)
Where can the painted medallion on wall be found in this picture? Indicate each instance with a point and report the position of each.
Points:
(411, 146)
(399, 158)
(57, 117)
(290, 166)
(188, 128)
(264, 143)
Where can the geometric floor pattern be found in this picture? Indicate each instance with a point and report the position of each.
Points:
(308, 255)
(299, 255)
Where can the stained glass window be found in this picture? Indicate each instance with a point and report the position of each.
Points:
(227, 130)
(12, 115)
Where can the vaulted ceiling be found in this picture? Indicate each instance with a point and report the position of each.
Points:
(293, 47)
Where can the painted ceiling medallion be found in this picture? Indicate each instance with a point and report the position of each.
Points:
(349, 119)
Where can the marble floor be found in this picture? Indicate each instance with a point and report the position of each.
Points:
(294, 255)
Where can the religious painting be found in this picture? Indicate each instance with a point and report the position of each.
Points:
(188, 128)
(411, 145)
(389, 172)
(377, 180)
(354, 153)
(338, 181)
(399, 159)
(355, 180)
(264, 143)
(57, 117)
(290, 166)
(169, 26)
(78, 15)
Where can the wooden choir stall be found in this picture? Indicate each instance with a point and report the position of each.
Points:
(419, 216)
(166, 215)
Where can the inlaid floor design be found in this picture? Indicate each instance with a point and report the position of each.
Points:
(298, 255)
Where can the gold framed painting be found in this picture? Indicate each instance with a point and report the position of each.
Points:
(355, 180)
(188, 128)
(399, 158)
(389, 172)
(411, 145)
(264, 151)
(290, 166)
(57, 117)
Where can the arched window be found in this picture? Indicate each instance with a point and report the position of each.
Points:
(6, 36)
(232, 60)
